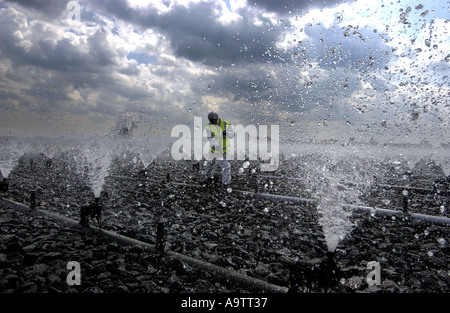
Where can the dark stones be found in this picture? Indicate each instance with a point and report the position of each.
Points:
(50, 256)
(13, 246)
(4, 263)
(10, 281)
(253, 236)
(30, 258)
(121, 289)
(28, 287)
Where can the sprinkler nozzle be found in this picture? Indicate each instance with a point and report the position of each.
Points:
(4, 185)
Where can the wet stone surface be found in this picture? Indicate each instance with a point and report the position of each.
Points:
(36, 251)
(256, 237)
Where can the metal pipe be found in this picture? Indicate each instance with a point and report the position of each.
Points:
(442, 220)
(386, 186)
(231, 274)
(378, 211)
(279, 197)
(419, 189)
(275, 177)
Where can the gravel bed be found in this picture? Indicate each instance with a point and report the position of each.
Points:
(257, 237)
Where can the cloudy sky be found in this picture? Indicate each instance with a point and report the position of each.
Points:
(318, 69)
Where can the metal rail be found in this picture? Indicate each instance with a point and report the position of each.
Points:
(300, 179)
(420, 189)
(227, 273)
(442, 220)
(377, 211)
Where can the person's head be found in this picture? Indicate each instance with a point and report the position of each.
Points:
(213, 118)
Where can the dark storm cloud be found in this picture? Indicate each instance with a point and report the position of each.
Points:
(9, 98)
(45, 48)
(244, 53)
(293, 6)
(56, 72)
(338, 62)
(196, 34)
(240, 61)
(45, 8)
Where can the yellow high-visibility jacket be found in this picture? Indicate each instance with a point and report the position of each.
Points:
(218, 130)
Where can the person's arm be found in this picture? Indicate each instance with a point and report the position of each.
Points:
(229, 133)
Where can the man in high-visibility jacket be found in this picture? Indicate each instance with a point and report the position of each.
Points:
(219, 131)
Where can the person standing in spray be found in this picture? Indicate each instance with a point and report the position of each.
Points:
(219, 131)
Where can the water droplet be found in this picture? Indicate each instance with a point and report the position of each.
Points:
(246, 164)
(266, 210)
(229, 190)
(426, 232)
(430, 253)
(442, 241)
(241, 170)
